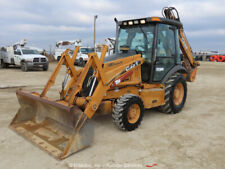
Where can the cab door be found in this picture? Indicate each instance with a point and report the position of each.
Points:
(166, 51)
(17, 56)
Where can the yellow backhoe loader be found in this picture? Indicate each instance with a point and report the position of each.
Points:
(146, 70)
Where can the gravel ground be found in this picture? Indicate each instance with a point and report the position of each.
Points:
(192, 139)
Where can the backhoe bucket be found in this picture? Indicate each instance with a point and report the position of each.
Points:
(54, 126)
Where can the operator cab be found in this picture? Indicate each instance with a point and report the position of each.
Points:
(156, 39)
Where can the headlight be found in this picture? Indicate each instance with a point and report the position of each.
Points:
(142, 21)
(136, 22)
(130, 22)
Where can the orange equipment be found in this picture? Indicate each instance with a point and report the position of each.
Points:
(213, 58)
(145, 71)
(221, 58)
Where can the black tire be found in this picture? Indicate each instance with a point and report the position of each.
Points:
(45, 68)
(83, 64)
(58, 58)
(4, 65)
(121, 109)
(170, 107)
(24, 67)
(88, 81)
(80, 62)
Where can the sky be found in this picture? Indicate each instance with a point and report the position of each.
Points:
(44, 22)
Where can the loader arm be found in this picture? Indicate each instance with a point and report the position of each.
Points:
(106, 79)
(60, 127)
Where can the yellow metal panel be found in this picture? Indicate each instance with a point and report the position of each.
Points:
(152, 97)
(116, 93)
(105, 107)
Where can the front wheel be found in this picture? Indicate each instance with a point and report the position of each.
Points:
(24, 67)
(45, 68)
(58, 58)
(81, 62)
(175, 94)
(128, 112)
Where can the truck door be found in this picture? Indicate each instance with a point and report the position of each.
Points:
(17, 56)
(165, 51)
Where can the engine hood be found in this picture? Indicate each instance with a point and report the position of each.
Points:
(31, 56)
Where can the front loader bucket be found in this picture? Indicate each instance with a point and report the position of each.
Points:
(54, 126)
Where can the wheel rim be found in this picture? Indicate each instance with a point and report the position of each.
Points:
(133, 113)
(178, 94)
(25, 67)
(22, 67)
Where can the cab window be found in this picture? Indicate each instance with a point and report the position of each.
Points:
(17, 52)
(166, 51)
(138, 39)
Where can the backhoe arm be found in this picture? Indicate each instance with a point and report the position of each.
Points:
(188, 60)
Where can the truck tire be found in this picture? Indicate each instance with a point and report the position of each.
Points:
(81, 62)
(45, 68)
(58, 58)
(4, 65)
(88, 82)
(1, 63)
(128, 112)
(175, 94)
(24, 67)
(84, 63)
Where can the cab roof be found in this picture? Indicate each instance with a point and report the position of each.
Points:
(142, 21)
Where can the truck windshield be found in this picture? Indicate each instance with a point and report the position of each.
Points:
(29, 51)
(137, 39)
(86, 50)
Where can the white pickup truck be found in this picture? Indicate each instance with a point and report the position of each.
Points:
(61, 46)
(82, 55)
(24, 57)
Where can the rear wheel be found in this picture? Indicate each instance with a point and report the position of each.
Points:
(4, 65)
(175, 94)
(45, 67)
(128, 112)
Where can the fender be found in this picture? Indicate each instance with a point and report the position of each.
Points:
(177, 68)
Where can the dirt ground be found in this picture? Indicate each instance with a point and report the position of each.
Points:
(192, 139)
